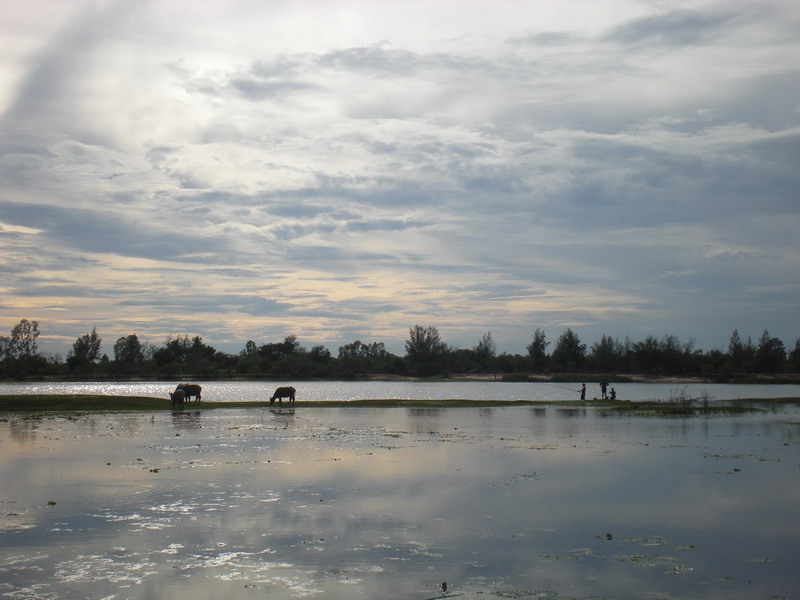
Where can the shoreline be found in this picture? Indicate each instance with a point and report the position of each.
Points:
(70, 403)
(743, 378)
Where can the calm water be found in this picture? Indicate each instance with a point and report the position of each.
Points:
(310, 391)
(507, 502)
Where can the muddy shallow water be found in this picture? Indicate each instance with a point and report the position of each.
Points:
(511, 502)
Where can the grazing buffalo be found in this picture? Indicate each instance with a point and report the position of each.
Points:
(283, 392)
(177, 397)
(190, 390)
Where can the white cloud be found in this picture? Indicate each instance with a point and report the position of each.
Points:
(352, 168)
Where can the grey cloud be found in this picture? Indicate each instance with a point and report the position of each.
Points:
(548, 158)
(48, 99)
(677, 28)
(547, 38)
(256, 90)
(68, 290)
(764, 100)
(379, 190)
(275, 80)
(350, 309)
(388, 63)
(105, 231)
(373, 59)
(344, 259)
(382, 225)
(179, 303)
(284, 67)
(661, 183)
(25, 146)
(302, 210)
(199, 200)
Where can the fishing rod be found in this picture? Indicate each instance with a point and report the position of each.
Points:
(563, 387)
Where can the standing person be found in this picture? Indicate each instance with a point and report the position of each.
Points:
(583, 391)
(603, 388)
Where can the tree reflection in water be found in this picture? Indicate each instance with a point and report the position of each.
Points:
(511, 502)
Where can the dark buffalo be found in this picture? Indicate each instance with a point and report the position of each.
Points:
(177, 397)
(190, 390)
(281, 393)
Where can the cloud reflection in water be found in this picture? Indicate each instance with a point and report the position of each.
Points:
(350, 502)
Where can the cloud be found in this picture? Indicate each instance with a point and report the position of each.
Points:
(674, 29)
(620, 165)
(105, 232)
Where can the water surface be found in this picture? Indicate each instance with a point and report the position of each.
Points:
(315, 391)
(507, 502)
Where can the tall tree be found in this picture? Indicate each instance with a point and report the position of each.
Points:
(359, 349)
(486, 347)
(606, 355)
(425, 350)
(22, 344)
(770, 354)
(647, 355)
(128, 350)
(85, 351)
(568, 352)
(537, 350)
(424, 343)
(740, 354)
(794, 358)
(20, 352)
(87, 346)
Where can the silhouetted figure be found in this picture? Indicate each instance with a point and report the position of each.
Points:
(583, 391)
(613, 394)
(177, 397)
(281, 393)
(603, 388)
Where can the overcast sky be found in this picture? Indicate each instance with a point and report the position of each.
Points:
(345, 169)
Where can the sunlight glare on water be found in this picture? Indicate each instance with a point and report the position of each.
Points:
(316, 391)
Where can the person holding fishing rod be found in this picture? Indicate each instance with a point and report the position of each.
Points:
(583, 391)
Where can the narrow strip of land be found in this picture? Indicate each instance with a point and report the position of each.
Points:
(49, 403)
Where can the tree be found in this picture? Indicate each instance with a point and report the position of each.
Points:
(794, 358)
(250, 348)
(568, 353)
(486, 347)
(425, 349)
(128, 351)
(88, 346)
(276, 351)
(85, 350)
(647, 355)
(770, 354)
(740, 354)
(537, 350)
(674, 356)
(320, 354)
(606, 355)
(20, 352)
(424, 343)
(22, 344)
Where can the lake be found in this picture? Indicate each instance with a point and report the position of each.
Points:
(338, 503)
(315, 391)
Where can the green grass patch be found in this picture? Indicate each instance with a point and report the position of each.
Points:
(42, 403)
(100, 402)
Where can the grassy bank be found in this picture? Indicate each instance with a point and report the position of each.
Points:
(98, 402)
(48, 403)
(89, 402)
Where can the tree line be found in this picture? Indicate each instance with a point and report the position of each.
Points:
(426, 355)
